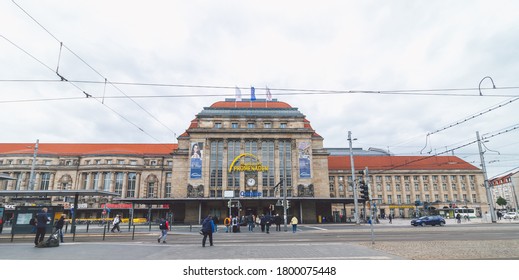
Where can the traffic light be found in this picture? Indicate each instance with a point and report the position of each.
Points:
(364, 190)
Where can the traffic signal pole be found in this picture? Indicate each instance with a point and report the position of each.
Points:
(356, 204)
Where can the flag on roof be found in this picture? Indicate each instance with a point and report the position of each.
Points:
(238, 94)
(252, 93)
(269, 95)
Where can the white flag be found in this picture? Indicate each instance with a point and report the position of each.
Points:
(269, 95)
(238, 94)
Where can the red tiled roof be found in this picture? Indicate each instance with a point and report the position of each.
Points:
(400, 163)
(87, 149)
(249, 104)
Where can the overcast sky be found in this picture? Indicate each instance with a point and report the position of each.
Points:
(391, 72)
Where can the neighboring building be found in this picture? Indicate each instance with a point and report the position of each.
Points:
(242, 154)
(505, 186)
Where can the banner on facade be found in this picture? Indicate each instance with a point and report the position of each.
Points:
(304, 160)
(196, 160)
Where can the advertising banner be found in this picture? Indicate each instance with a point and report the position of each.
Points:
(304, 149)
(196, 160)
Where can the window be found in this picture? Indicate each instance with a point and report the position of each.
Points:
(435, 187)
(407, 187)
(119, 182)
(389, 199)
(285, 161)
(108, 161)
(251, 125)
(86, 181)
(151, 189)
(388, 178)
(378, 178)
(445, 197)
(453, 186)
(474, 198)
(453, 177)
(168, 190)
(153, 162)
(444, 187)
(399, 199)
(283, 125)
(168, 175)
(331, 184)
(218, 125)
(96, 181)
(472, 178)
(120, 161)
(397, 178)
(87, 162)
(427, 198)
(436, 197)
(21, 161)
(98, 161)
(268, 125)
(408, 199)
(406, 178)
(267, 159)
(444, 178)
(425, 178)
(45, 181)
(415, 178)
(398, 188)
(379, 187)
(417, 197)
(416, 187)
(132, 184)
(233, 179)
(133, 162)
(388, 187)
(170, 163)
(234, 125)
(425, 187)
(435, 178)
(216, 169)
(107, 181)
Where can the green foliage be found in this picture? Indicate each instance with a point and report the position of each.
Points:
(501, 201)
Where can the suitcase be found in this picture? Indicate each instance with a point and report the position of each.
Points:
(52, 241)
(235, 228)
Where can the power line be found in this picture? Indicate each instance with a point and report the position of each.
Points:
(92, 68)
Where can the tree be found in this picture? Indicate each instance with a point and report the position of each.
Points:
(501, 201)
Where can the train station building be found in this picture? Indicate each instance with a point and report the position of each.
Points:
(239, 157)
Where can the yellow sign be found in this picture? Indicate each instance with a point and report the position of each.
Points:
(401, 206)
(258, 167)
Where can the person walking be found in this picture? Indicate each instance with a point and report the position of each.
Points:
(207, 230)
(41, 226)
(294, 222)
(116, 222)
(262, 223)
(277, 221)
(250, 222)
(458, 218)
(164, 227)
(227, 223)
(390, 218)
(59, 226)
(215, 222)
(268, 221)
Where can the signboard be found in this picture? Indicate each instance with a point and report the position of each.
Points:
(118, 206)
(250, 194)
(228, 194)
(304, 149)
(196, 160)
(247, 167)
(24, 214)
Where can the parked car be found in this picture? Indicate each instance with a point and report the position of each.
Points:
(511, 215)
(428, 220)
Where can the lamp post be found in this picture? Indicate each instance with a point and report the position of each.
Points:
(487, 188)
(355, 197)
(31, 177)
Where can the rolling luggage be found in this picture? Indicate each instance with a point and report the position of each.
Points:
(52, 241)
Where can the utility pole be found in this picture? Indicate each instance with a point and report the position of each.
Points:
(487, 188)
(355, 196)
(31, 177)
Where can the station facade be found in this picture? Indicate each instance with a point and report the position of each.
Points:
(239, 158)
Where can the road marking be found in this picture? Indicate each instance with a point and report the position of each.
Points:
(319, 228)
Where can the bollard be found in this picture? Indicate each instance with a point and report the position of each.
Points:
(74, 233)
(104, 232)
(133, 233)
(190, 227)
(66, 227)
(88, 224)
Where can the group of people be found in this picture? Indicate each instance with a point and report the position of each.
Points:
(39, 223)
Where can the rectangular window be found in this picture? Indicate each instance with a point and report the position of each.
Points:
(86, 181)
(168, 190)
(233, 179)
(108, 161)
(234, 125)
(251, 125)
(283, 125)
(216, 169)
(151, 189)
(399, 199)
(408, 198)
(170, 163)
(331, 184)
(96, 181)
(45, 181)
(133, 162)
(47, 162)
(389, 199)
(98, 161)
(417, 197)
(427, 198)
(285, 162)
(218, 125)
(268, 125)
(436, 197)
(120, 161)
(267, 159)
(445, 198)
(474, 198)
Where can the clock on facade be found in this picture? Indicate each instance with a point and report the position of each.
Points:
(251, 182)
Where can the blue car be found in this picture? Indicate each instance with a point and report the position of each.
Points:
(428, 220)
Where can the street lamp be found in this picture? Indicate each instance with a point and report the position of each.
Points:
(356, 204)
(31, 177)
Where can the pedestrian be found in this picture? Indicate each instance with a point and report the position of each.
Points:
(207, 230)
(390, 219)
(294, 222)
(227, 223)
(33, 221)
(116, 222)
(215, 221)
(458, 218)
(250, 222)
(268, 221)
(164, 227)
(262, 223)
(277, 221)
(41, 225)
(235, 224)
(59, 227)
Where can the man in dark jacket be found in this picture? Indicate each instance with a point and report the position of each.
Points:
(59, 226)
(41, 226)
(277, 221)
(207, 229)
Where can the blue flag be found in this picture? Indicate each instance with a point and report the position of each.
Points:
(252, 93)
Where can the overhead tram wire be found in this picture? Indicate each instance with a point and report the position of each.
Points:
(87, 95)
(92, 68)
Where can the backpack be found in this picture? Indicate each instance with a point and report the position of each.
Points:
(162, 224)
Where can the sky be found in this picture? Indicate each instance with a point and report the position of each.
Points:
(408, 77)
